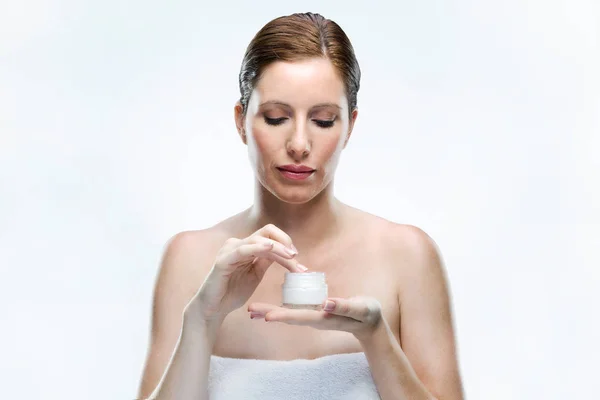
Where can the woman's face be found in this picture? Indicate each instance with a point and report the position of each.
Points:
(297, 116)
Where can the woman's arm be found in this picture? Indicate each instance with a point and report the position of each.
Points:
(225, 281)
(186, 376)
(425, 366)
(175, 333)
(392, 373)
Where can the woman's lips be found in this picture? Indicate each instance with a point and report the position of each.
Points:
(295, 175)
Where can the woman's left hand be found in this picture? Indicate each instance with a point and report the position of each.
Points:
(359, 315)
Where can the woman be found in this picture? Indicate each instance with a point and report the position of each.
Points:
(216, 287)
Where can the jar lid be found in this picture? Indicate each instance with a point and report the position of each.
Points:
(304, 279)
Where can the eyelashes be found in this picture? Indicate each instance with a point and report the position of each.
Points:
(324, 123)
(319, 122)
(275, 121)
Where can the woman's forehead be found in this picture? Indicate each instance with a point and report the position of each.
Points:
(308, 82)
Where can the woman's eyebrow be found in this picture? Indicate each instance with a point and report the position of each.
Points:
(320, 105)
(280, 103)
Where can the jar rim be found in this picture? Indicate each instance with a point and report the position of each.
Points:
(305, 273)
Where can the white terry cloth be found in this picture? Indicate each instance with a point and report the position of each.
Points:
(338, 376)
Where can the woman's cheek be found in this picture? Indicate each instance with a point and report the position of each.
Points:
(332, 146)
(259, 141)
(265, 148)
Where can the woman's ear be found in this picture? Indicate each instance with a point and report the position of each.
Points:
(238, 113)
(351, 125)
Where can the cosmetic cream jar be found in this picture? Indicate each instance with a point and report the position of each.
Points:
(306, 290)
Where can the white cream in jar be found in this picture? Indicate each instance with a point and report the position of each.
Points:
(304, 290)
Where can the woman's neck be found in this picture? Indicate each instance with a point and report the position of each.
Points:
(307, 224)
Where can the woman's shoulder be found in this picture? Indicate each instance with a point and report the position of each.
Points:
(190, 253)
(205, 238)
(399, 239)
(197, 245)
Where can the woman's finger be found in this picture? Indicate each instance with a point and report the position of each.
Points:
(279, 253)
(278, 248)
(364, 309)
(263, 249)
(270, 231)
(291, 265)
(316, 319)
(262, 308)
(245, 252)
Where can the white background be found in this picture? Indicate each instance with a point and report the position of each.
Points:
(479, 122)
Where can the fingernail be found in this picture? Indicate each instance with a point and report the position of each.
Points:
(302, 267)
(294, 248)
(291, 252)
(329, 305)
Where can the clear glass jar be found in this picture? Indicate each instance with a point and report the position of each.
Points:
(304, 290)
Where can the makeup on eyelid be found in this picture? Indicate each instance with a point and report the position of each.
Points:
(319, 122)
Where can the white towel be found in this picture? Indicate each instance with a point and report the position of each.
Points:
(338, 376)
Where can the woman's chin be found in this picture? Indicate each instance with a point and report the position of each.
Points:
(294, 198)
(294, 195)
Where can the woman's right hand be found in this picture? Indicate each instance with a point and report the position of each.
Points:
(238, 269)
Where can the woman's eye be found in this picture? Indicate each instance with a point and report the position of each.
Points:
(275, 121)
(324, 123)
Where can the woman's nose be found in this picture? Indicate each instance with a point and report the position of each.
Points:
(298, 145)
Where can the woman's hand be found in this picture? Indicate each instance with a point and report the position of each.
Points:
(359, 315)
(238, 269)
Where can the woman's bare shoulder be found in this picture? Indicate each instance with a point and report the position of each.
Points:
(401, 240)
(189, 254)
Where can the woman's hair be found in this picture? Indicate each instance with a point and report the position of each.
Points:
(297, 37)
